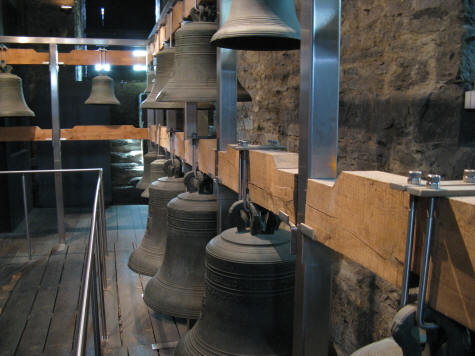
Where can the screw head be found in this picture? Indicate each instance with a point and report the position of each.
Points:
(433, 181)
(414, 177)
(469, 175)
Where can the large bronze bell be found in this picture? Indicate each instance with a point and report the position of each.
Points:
(157, 170)
(145, 181)
(260, 25)
(178, 287)
(102, 91)
(248, 303)
(194, 79)
(148, 256)
(12, 101)
(164, 71)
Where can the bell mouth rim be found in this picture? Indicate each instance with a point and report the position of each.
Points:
(253, 42)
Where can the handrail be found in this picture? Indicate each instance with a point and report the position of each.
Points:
(95, 278)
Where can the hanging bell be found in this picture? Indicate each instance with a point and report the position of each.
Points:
(178, 287)
(144, 182)
(148, 256)
(260, 25)
(12, 101)
(157, 170)
(150, 81)
(248, 302)
(164, 71)
(102, 91)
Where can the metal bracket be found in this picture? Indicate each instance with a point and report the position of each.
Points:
(293, 231)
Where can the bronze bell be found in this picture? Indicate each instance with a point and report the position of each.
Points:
(248, 303)
(194, 79)
(150, 81)
(157, 170)
(148, 256)
(12, 101)
(102, 91)
(164, 71)
(144, 182)
(260, 25)
(178, 287)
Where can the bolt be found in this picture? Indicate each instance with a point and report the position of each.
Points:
(273, 142)
(433, 181)
(414, 177)
(469, 175)
(243, 143)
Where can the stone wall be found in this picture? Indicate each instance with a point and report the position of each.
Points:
(404, 67)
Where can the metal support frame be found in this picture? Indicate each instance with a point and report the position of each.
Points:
(319, 106)
(56, 135)
(191, 131)
(171, 127)
(150, 122)
(27, 215)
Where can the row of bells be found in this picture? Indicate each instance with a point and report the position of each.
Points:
(13, 104)
(239, 286)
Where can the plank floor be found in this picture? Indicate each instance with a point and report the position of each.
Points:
(39, 299)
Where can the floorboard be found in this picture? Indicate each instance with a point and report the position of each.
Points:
(39, 299)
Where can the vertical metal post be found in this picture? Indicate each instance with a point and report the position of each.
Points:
(227, 87)
(27, 215)
(95, 312)
(100, 288)
(56, 131)
(191, 125)
(319, 105)
(409, 248)
(150, 122)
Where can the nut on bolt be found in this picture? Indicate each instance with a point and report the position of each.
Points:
(414, 177)
(243, 143)
(433, 181)
(469, 175)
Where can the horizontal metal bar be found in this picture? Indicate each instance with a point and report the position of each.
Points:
(73, 41)
(97, 170)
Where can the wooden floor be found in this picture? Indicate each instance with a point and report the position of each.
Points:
(39, 299)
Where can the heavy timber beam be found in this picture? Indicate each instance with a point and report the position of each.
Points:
(363, 218)
(18, 56)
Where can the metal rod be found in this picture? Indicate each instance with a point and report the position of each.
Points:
(409, 248)
(27, 216)
(44, 171)
(425, 269)
(100, 289)
(73, 41)
(95, 313)
(82, 333)
(104, 217)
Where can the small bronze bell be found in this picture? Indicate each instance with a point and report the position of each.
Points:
(157, 170)
(178, 287)
(260, 25)
(164, 71)
(148, 256)
(12, 101)
(102, 91)
(144, 182)
(248, 303)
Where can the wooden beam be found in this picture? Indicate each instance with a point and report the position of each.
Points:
(362, 217)
(77, 133)
(18, 56)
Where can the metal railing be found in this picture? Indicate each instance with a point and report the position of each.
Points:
(95, 278)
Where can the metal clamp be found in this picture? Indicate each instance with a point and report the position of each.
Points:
(3, 56)
(469, 176)
(433, 181)
(293, 231)
(415, 178)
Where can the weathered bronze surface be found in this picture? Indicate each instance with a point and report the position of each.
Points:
(260, 25)
(148, 158)
(248, 304)
(102, 91)
(12, 101)
(164, 71)
(157, 170)
(178, 288)
(148, 256)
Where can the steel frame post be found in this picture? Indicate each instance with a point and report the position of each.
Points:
(56, 133)
(319, 105)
